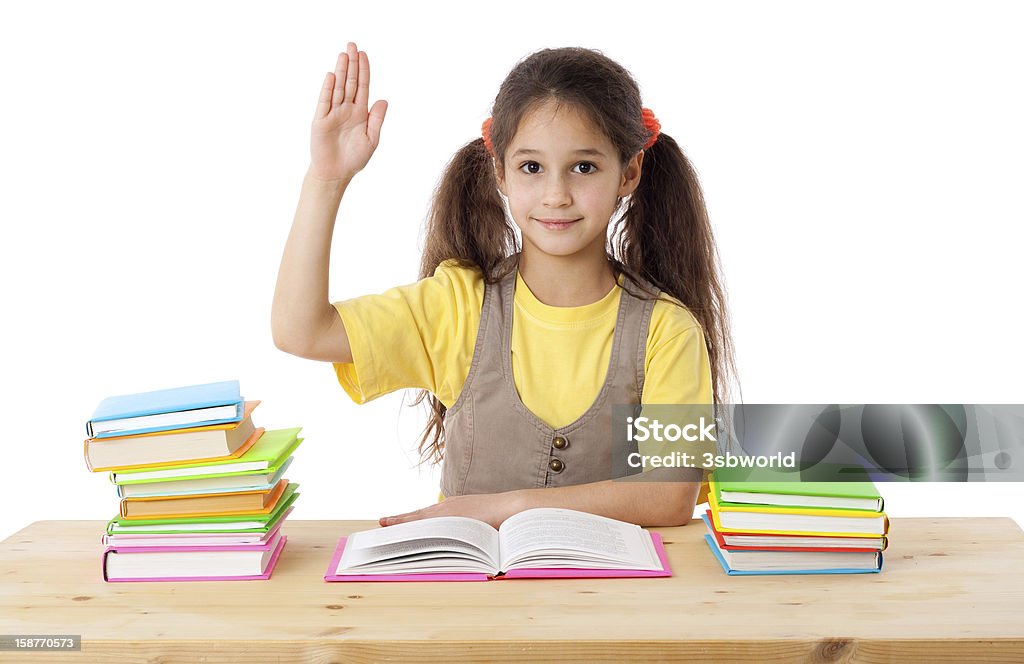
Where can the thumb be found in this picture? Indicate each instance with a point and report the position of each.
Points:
(376, 119)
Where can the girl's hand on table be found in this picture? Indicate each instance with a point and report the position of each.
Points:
(492, 508)
(345, 134)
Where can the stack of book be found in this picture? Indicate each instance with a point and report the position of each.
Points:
(202, 489)
(766, 521)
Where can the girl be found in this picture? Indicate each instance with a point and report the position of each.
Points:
(524, 341)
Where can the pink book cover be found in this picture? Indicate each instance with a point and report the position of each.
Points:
(238, 547)
(536, 573)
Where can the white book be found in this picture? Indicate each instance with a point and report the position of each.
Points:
(190, 539)
(189, 471)
(772, 521)
(535, 538)
(198, 526)
(179, 526)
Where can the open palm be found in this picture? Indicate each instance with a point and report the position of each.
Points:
(345, 133)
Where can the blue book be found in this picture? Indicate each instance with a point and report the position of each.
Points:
(165, 410)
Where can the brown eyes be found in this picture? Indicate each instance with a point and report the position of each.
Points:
(533, 168)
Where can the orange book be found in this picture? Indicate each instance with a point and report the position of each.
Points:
(151, 448)
(161, 454)
(204, 504)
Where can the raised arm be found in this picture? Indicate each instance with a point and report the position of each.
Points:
(343, 137)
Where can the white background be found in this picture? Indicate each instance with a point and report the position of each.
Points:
(861, 162)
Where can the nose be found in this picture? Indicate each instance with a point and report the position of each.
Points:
(556, 192)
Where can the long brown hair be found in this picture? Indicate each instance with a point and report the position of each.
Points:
(663, 234)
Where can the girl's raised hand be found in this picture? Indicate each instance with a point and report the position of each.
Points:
(344, 133)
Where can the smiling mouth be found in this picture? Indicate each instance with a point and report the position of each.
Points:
(557, 224)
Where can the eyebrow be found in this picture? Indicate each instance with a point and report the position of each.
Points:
(593, 152)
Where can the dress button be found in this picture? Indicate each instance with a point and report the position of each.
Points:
(556, 465)
(560, 442)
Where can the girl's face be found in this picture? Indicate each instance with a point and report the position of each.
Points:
(562, 178)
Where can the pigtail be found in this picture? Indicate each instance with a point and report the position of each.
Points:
(665, 237)
(466, 222)
(467, 218)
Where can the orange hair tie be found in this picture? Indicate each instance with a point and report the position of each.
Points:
(485, 130)
(652, 126)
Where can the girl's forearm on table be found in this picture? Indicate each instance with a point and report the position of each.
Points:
(643, 503)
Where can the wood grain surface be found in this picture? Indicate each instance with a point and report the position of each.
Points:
(951, 590)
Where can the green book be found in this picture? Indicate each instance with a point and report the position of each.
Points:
(772, 486)
(266, 455)
(237, 523)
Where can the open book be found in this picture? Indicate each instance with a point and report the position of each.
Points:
(536, 543)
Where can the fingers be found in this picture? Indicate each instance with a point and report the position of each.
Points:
(400, 518)
(350, 82)
(375, 120)
(340, 72)
(323, 105)
(363, 87)
(352, 79)
(392, 520)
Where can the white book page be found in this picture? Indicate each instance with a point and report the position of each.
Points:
(436, 539)
(436, 554)
(470, 531)
(555, 537)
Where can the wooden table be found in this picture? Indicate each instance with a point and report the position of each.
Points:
(951, 590)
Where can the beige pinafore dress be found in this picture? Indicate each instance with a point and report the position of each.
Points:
(494, 443)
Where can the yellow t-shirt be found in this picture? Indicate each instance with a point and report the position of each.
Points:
(423, 335)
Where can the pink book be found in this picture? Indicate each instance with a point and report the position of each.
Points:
(263, 549)
(538, 532)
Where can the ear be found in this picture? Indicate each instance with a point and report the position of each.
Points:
(631, 174)
(499, 177)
